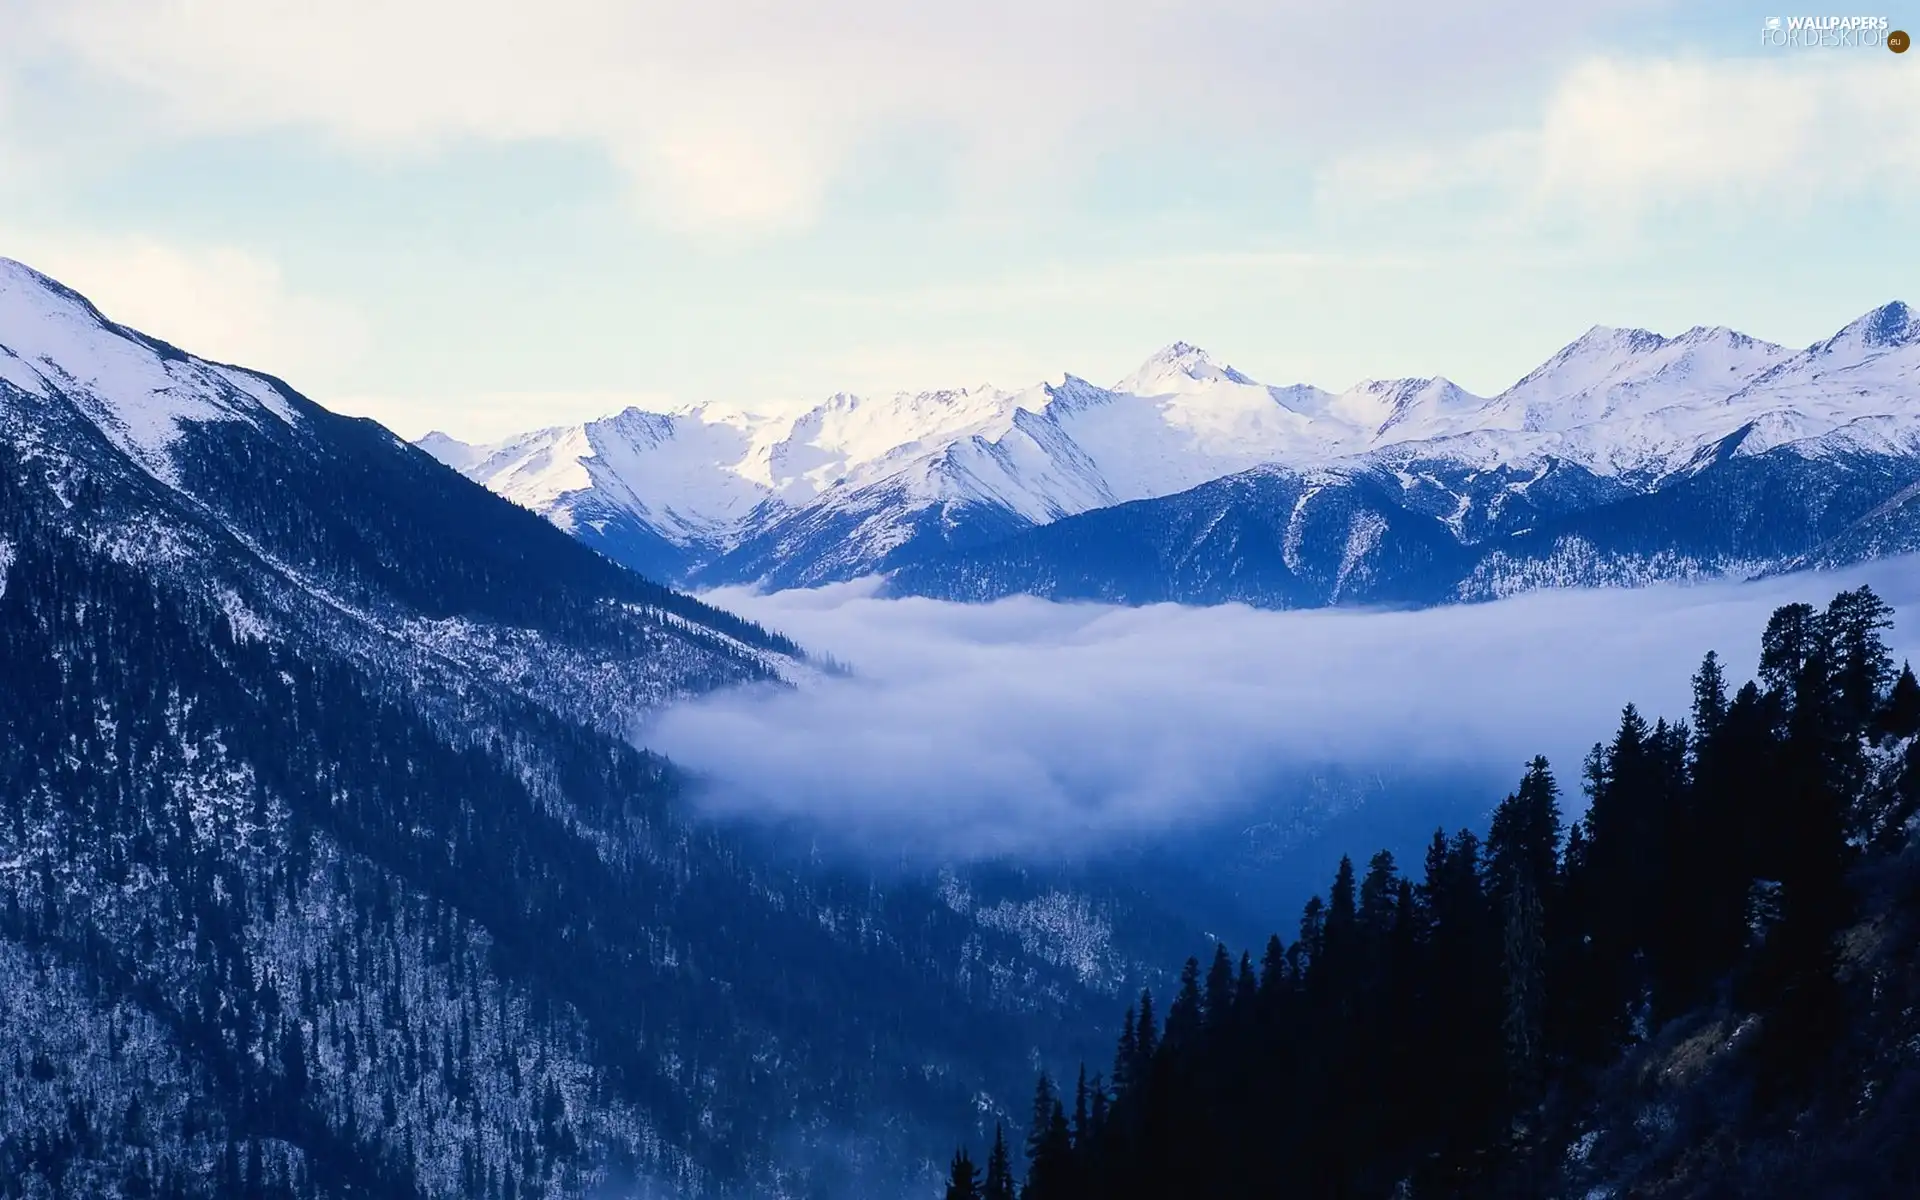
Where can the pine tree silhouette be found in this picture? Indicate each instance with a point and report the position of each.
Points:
(963, 1178)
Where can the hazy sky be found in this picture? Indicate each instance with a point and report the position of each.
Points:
(1027, 725)
(486, 214)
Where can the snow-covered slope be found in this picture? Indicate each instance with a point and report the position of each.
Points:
(139, 392)
(857, 484)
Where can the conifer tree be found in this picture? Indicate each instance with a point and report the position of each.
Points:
(1183, 1015)
(1246, 991)
(1709, 697)
(1097, 1112)
(1125, 1056)
(1379, 892)
(1342, 909)
(1631, 784)
(1827, 699)
(1146, 1037)
(1308, 948)
(1219, 993)
(1524, 958)
(1044, 1102)
(1049, 1147)
(1523, 838)
(1702, 924)
(1791, 643)
(1274, 980)
(1860, 664)
(1081, 1118)
(998, 1184)
(1435, 864)
(963, 1178)
(1900, 717)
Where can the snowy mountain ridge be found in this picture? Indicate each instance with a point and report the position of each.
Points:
(866, 481)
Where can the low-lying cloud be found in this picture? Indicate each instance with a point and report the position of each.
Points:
(1032, 726)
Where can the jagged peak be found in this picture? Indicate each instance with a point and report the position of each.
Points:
(633, 414)
(1409, 385)
(1179, 352)
(1714, 333)
(1599, 342)
(1891, 324)
(636, 425)
(1167, 366)
(1630, 339)
(1074, 394)
(1073, 385)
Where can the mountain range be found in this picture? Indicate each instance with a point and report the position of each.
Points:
(1626, 457)
(328, 866)
(328, 863)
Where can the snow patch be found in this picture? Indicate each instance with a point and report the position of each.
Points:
(1363, 535)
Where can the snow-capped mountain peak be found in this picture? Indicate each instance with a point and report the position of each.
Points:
(451, 450)
(1613, 341)
(1178, 367)
(1588, 361)
(1610, 376)
(1380, 410)
(1422, 408)
(137, 390)
(1888, 327)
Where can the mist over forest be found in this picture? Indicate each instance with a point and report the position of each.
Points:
(1032, 728)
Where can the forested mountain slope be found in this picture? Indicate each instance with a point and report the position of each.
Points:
(1705, 986)
(327, 868)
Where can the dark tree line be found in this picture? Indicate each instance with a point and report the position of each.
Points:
(1439, 1031)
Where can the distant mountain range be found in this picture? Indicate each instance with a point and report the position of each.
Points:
(1626, 457)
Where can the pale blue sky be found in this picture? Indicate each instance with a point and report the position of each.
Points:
(485, 216)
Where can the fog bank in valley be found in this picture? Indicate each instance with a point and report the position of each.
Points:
(1031, 726)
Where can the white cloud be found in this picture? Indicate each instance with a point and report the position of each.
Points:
(1751, 131)
(1620, 140)
(740, 113)
(218, 302)
(1031, 726)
